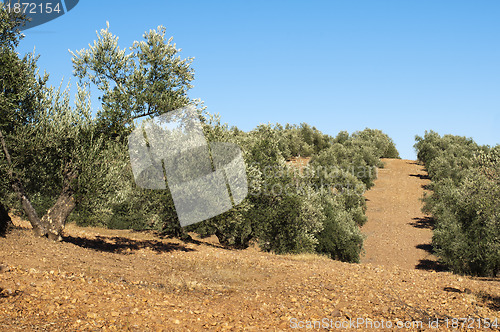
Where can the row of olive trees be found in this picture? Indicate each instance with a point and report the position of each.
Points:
(306, 141)
(316, 208)
(465, 202)
(61, 161)
(319, 208)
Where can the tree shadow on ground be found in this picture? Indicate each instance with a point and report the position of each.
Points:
(184, 237)
(122, 245)
(430, 265)
(491, 301)
(423, 222)
(189, 239)
(427, 247)
(421, 176)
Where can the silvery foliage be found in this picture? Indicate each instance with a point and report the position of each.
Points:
(465, 202)
(69, 132)
(204, 179)
(150, 79)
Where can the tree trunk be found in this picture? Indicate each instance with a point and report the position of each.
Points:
(5, 221)
(55, 218)
(52, 223)
(33, 218)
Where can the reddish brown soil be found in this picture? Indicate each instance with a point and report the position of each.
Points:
(99, 279)
(397, 232)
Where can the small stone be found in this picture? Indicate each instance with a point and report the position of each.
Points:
(91, 315)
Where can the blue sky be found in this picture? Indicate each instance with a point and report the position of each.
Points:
(400, 66)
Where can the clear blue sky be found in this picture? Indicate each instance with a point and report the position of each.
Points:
(400, 66)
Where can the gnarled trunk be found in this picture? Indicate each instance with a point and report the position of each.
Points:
(52, 223)
(55, 218)
(38, 228)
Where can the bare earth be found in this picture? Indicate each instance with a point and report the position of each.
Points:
(99, 279)
(397, 232)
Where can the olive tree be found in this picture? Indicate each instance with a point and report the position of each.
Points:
(139, 82)
(21, 96)
(145, 80)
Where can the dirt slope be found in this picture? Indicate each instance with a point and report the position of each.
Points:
(114, 280)
(397, 232)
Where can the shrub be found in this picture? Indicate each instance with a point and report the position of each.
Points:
(384, 146)
(357, 160)
(340, 238)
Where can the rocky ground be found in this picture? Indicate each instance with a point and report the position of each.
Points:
(98, 279)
